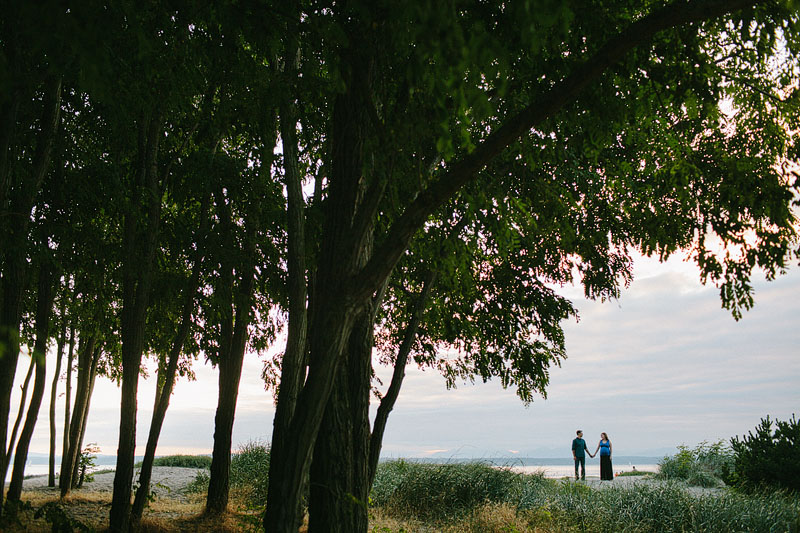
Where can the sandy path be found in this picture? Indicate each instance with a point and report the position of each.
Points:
(166, 481)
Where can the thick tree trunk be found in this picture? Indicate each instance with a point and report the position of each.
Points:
(333, 314)
(139, 240)
(339, 488)
(51, 471)
(44, 310)
(88, 357)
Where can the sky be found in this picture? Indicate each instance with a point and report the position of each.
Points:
(662, 366)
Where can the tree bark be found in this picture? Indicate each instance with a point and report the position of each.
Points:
(68, 394)
(13, 257)
(164, 391)
(233, 342)
(139, 242)
(12, 441)
(333, 312)
(44, 310)
(339, 490)
(88, 357)
(62, 336)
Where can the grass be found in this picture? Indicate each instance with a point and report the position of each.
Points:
(476, 497)
(186, 461)
(634, 473)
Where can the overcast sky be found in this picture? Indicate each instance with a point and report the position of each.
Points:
(665, 365)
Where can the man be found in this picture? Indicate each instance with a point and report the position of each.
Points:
(579, 451)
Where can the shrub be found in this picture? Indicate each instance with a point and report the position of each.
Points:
(707, 465)
(86, 464)
(767, 457)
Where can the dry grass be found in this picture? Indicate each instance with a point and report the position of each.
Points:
(164, 515)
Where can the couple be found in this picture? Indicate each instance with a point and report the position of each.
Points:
(579, 451)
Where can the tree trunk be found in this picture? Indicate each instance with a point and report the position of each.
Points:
(164, 392)
(68, 393)
(76, 469)
(13, 258)
(12, 441)
(139, 241)
(339, 489)
(44, 310)
(232, 348)
(332, 316)
(51, 471)
(88, 357)
(230, 371)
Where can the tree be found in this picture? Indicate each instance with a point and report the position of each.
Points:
(643, 162)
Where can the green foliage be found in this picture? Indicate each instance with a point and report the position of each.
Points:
(769, 457)
(86, 464)
(199, 484)
(707, 465)
(187, 461)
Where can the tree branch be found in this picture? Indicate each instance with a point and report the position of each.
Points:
(676, 14)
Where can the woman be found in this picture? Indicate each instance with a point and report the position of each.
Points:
(606, 471)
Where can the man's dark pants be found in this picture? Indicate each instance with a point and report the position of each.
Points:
(580, 461)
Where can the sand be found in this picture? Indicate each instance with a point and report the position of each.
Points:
(166, 481)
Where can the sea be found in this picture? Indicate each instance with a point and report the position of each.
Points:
(550, 467)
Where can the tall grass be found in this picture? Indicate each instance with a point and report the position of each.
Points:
(186, 461)
(249, 475)
(468, 497)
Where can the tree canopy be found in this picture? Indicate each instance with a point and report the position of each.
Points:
(425, 172)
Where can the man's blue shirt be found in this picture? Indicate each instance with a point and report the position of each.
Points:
(579, 447)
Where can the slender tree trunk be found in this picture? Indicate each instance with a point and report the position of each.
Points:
(232, 350)
(88, 356)
(12, 441)
(51, 472)
(68, 393)
(13, 257)
(140, 240)
(164, 392)
(77, 481)
(230, 371)
(43, 312)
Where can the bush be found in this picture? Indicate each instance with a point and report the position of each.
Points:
(769, 458)
(186, 461)
(707, 465)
